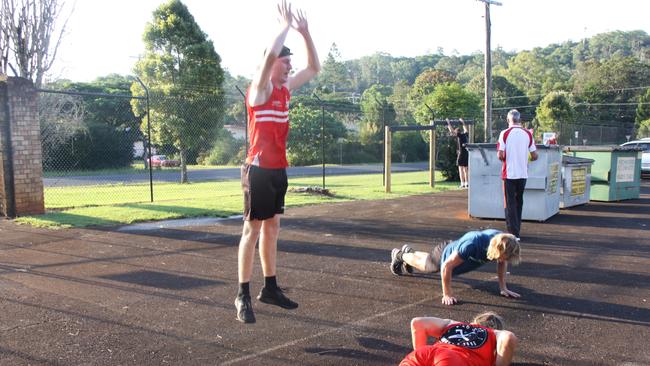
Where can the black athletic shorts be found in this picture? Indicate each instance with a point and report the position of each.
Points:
(436, 254)
(463, 157)
(264, 191)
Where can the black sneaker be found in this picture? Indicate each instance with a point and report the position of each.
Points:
(407, 267)
(244, 309)
(276, 297)
(395, 263)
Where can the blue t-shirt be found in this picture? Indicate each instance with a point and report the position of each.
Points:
(472, 248)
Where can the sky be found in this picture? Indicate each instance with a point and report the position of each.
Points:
(104, 37)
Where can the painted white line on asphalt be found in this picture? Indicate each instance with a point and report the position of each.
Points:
(166, 224)
(324, 332)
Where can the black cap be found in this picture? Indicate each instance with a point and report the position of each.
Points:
(285, 52)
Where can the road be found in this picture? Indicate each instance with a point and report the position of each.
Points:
(223, 174)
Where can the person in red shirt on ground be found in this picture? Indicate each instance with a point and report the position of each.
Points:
(264, 177)
(483, 342)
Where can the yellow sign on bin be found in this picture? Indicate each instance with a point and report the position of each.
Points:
(578, 181)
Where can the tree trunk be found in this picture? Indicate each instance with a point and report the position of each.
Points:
(183, 152)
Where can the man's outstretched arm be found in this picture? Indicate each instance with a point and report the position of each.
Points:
(313, 64)
(261, 87)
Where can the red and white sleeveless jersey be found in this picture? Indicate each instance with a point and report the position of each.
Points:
(268, 129)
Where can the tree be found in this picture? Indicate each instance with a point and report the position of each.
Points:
(620, 80)
(334, 75)
(376, 69)
(234, 103)
(505, 96)
(226, 150)
(555, 108)
(183, 72)
(535, 74)
(377, 112)
(472, 69)
(448, 100)
(643, 130)
(303, 145)
(29, 39)
(61, 119)
(609, 45)
(642, 121)
(409, 146)
(400, 101)
(425, 84)
(452, 65)
(404, 69)
(89, 131)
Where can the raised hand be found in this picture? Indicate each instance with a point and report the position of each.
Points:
(301, 22)
(286, 16)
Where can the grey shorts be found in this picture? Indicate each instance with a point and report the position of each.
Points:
(436, 254)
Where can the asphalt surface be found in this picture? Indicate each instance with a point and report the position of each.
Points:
(164, 296)
(167, 175)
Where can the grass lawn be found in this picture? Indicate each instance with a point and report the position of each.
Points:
(109, 205)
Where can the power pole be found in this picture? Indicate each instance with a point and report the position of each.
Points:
(488, 72)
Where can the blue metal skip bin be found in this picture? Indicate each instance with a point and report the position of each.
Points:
(542, 194)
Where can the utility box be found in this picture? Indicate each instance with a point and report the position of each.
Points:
(616, 172)
(576, 181)
(542, 193)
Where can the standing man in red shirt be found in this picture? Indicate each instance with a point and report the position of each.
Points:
(514, 148)
(264, 177)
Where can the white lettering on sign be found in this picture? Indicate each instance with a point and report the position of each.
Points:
(625, 169)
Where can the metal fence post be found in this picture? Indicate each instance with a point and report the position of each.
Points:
(148, 138)
(322, 135)
(245, 120)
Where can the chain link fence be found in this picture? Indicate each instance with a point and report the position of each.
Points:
(129, 148)
(103, 149)
(587, 130)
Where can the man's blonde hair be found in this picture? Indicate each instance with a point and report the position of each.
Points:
(504, 246)
(489, 319)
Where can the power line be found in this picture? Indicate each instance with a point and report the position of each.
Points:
(572, 93)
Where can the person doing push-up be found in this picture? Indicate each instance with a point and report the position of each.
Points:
(466, 254)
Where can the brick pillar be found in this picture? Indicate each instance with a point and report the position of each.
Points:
(22, 158)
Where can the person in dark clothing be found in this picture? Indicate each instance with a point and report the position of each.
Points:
(462, 155)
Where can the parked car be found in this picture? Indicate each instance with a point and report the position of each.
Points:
(644, 144)
(158, 161)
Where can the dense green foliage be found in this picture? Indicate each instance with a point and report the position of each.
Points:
(311, 126)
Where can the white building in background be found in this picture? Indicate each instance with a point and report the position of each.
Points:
(237, 131)
(138, 149)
